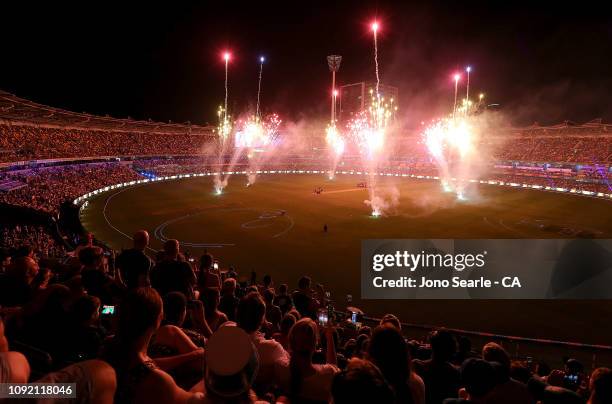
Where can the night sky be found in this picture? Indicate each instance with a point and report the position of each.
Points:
(543, 63)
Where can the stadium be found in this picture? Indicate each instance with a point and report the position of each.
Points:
(144, 261)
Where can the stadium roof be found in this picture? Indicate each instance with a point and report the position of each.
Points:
(20, 111)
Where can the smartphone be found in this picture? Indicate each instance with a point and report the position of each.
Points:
(108, 310)
(323, 318)
(216, 265)
(354, 317)
(191, 259)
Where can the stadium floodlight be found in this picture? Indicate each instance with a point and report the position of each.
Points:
(333, 62)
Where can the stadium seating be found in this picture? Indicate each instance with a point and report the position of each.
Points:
(85, 316)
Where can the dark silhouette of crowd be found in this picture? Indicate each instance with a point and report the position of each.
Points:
(130, 328)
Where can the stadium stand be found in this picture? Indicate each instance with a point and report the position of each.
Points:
(72, 311)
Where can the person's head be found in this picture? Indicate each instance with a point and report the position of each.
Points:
(267, 281)
(388, 350)
(85, 310)
(250, 313)
(175, 308)
(229, 287)
(24, 268)
(139, 315)
(464, 344)
(171, 249)
(206, 261)
(91, 257)
(303, 338)
(268, 296)
(442, 345)
(282, 289)
(361, 382)
(141, 239)
(600, 386)
(210, 298)
(478, 377)
(493, 352)
(392, 320)
(573, 367)
(304, 283)
(361, 344)
(286, 323)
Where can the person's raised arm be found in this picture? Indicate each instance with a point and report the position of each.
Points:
(330, 346)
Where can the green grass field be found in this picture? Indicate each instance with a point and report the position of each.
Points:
(244, 227)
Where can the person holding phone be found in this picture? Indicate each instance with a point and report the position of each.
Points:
(303, 380)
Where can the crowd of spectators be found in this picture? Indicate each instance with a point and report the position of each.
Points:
(19, 143)
(133, 329)
(554, 181)
(28, 237)
(48, 188)
(25, 142)
(563, 149)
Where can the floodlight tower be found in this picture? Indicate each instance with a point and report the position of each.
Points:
(333, 61)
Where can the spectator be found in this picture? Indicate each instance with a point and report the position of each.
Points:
(5, 260)
(302, 380)
(361, 382)
(282, 299)
(172, 274)
(214, 317)
(250, 317)
(14, 367)
(93, 274)
(286, 324)
(228, 303)
(133, 264)
(601, 386)
(302, 298)
(267, 284)
(208, 277)
(139, 379)
(507, 390)
(392, 320)
(389, 352)
(544, 393)
(15, 287)
(440, 376)
(478, 377)
(273, 313)
(175, 313)
(229, 378)
(84, 333)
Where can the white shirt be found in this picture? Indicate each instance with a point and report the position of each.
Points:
(271, 354)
